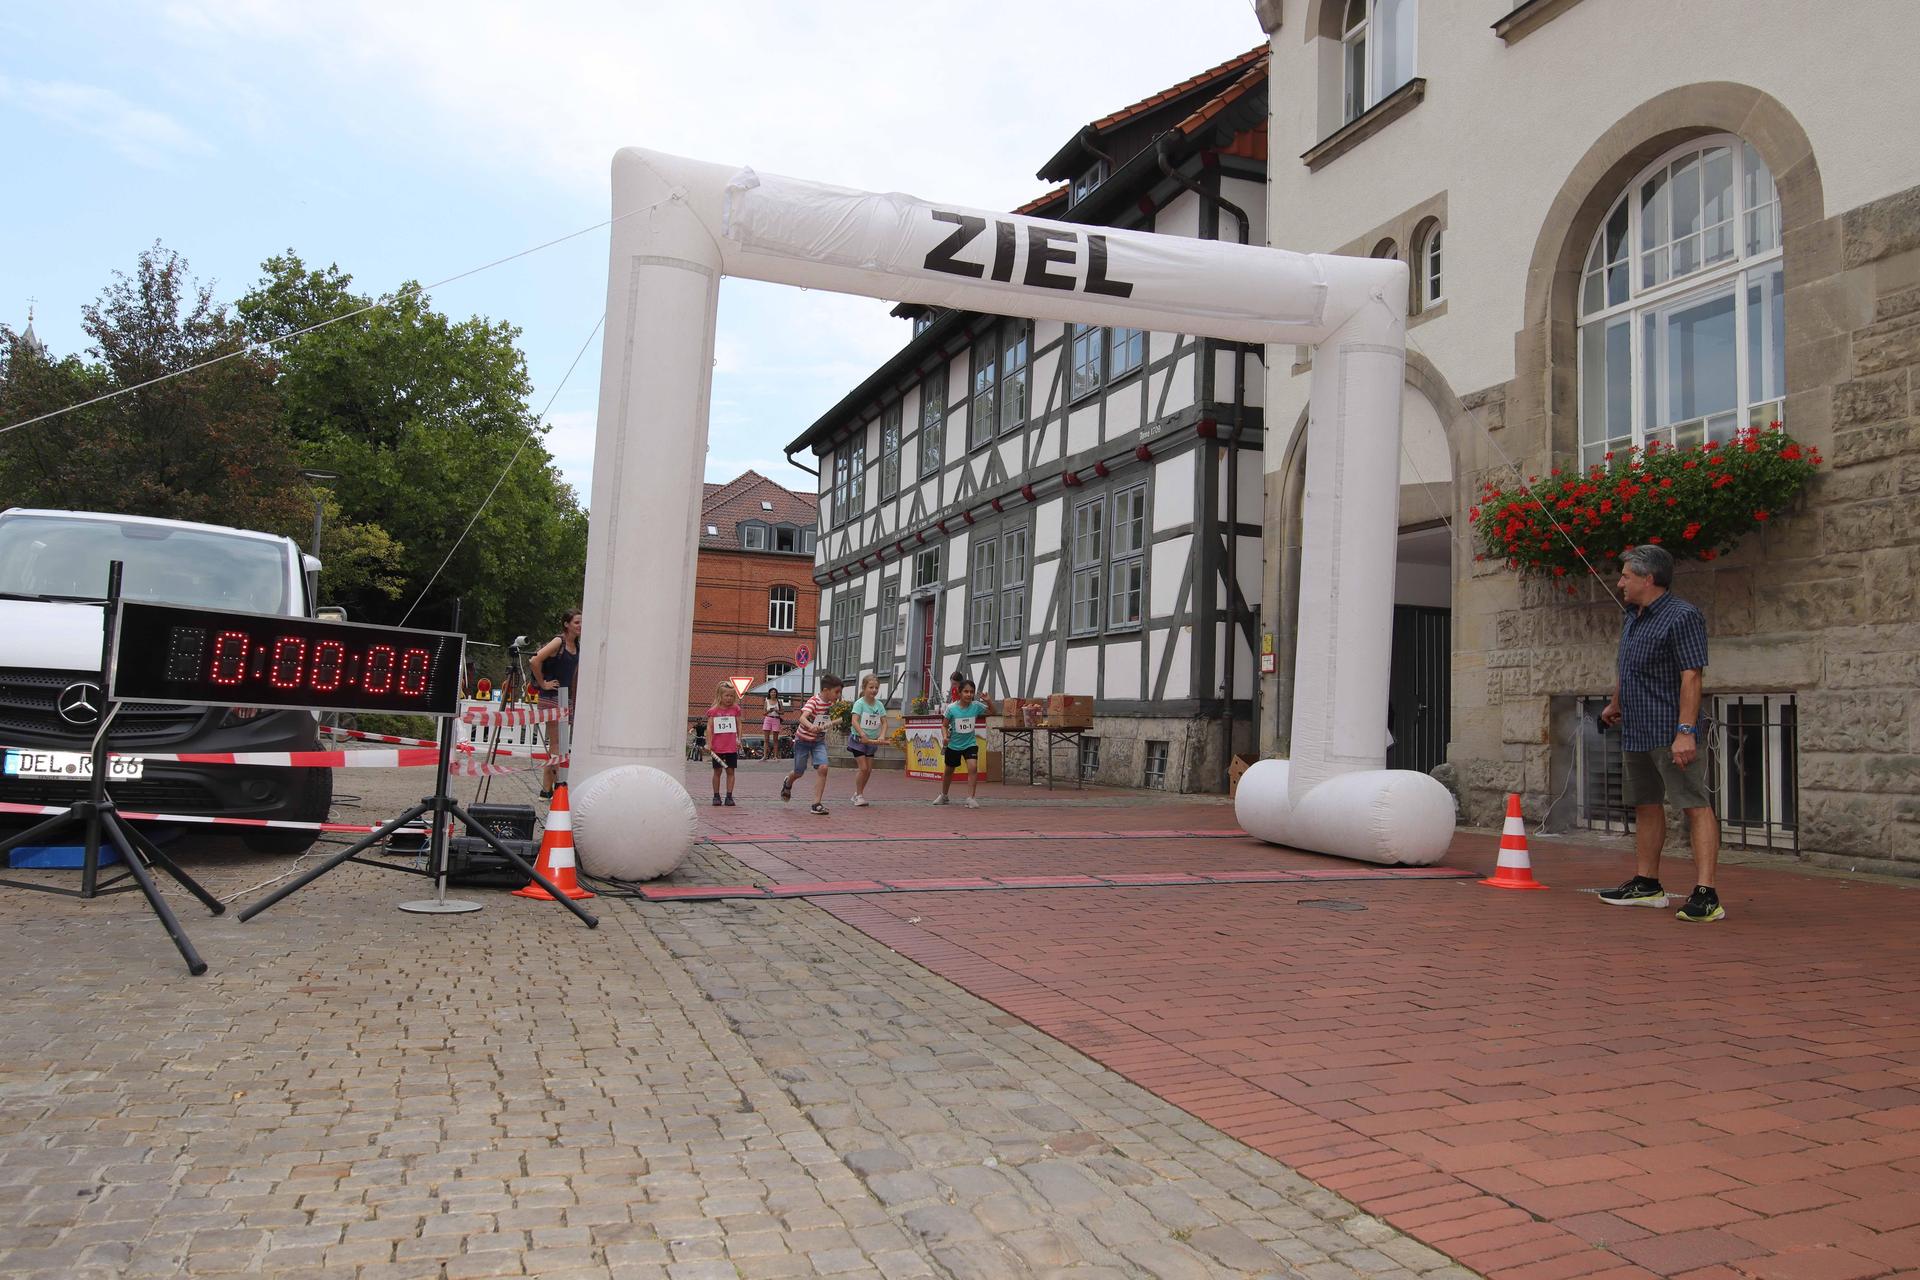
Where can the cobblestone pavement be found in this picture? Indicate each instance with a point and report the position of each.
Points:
(1541, 1086)
(690, 1091)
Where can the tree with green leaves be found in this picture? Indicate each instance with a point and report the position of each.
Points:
(420, 414)
(207, 445)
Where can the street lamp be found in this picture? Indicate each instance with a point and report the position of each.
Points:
(318, 477)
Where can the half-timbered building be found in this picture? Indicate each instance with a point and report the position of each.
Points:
(1070, 508)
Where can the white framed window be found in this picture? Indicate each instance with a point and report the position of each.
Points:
(1013, 588)
(890, 451)
(843, 636)
(1156, 771)
(1014, 360)
(1087, 181)
(933, 420)
(1129, 351)
(777, 668)
(1126, 573)
(926, 568)
(753, 537)
(890, 632)
(982, 413)
(786, 538)
(1682, 333)
(923, 321)
(1088, 360)
(1377, 40)
(1754, 749)
(1431, 283)
(1089, 757)
(1089, 552)
(783, 604)
(842, 484)
(983, 595)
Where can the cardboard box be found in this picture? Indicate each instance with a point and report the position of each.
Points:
(1069, 711)
(1239, 766)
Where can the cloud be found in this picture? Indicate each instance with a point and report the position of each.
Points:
(140, 134)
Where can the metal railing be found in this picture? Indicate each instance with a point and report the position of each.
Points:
(1752, 745)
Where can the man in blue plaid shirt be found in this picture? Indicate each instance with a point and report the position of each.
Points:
(1656, 703)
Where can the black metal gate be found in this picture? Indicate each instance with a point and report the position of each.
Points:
(1419, 689)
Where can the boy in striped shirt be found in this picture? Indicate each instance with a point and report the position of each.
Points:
(810, 743)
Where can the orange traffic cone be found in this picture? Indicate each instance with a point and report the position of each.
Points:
(1516, 869)
(556, 853)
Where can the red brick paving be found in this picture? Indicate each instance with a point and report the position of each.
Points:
(1541, 1086)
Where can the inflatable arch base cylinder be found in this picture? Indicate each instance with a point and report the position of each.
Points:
(1395, 817)
(632, 822)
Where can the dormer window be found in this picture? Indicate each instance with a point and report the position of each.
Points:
(922, 322)
(786, 538)
(753, 537)
(1084, 184)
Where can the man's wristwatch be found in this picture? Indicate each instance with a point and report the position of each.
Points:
(1685, 728)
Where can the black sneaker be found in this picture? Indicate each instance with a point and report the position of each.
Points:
(716, 799)
(1703, 907)
(729, 801)
(818, 810)
(786, 788)
(1637, 892)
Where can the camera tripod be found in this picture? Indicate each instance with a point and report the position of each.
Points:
(97, 817)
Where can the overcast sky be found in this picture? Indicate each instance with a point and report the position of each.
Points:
(415, 139)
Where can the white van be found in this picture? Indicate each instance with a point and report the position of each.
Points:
(53, 575)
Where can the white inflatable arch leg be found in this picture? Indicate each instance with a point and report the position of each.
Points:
(683, 224)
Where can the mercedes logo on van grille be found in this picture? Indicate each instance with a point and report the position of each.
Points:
(80, 703)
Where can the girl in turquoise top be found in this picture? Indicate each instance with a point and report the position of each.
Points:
(963, 742)
(869, 722)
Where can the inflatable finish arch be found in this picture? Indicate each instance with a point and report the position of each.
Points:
(692, 223)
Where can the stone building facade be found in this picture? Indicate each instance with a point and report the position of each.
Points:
(1494, 147)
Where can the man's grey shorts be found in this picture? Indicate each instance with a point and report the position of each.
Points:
(1653, 778)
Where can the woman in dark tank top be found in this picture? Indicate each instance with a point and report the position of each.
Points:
(557, 667)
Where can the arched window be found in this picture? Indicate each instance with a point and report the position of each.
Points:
(1386, 249)
(778, 668)
(782, 604)
(1376, 51)
(1427, 284)
(1682, 335)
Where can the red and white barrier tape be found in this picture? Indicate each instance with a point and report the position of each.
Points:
(407, 758)
(510, 716)
(471, 748)
(356, 735)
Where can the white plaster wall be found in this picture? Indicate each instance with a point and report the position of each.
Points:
(1180, 674)
(1503, 125)
(1168, 569)
(1083, 426)
(1046, 530)
(1121, 670)
(1123, 410)
(1424, 458)
(1083, 670)
(1427, 584)
(1173, 491)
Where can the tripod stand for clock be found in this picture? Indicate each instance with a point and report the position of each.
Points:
(97, 817)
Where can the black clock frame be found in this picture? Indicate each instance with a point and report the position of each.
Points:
(222, 658)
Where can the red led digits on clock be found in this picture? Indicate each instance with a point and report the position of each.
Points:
(329, 659)
(229, 658)
(379, 673)
(414, 665)
(289, 657)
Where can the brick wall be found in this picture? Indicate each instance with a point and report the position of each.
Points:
(730, 634)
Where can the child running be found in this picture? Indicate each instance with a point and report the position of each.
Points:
(869, 718)
(961, 715)
(723, 733)
(810, 743)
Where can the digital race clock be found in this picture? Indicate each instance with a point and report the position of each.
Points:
(166, 653)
